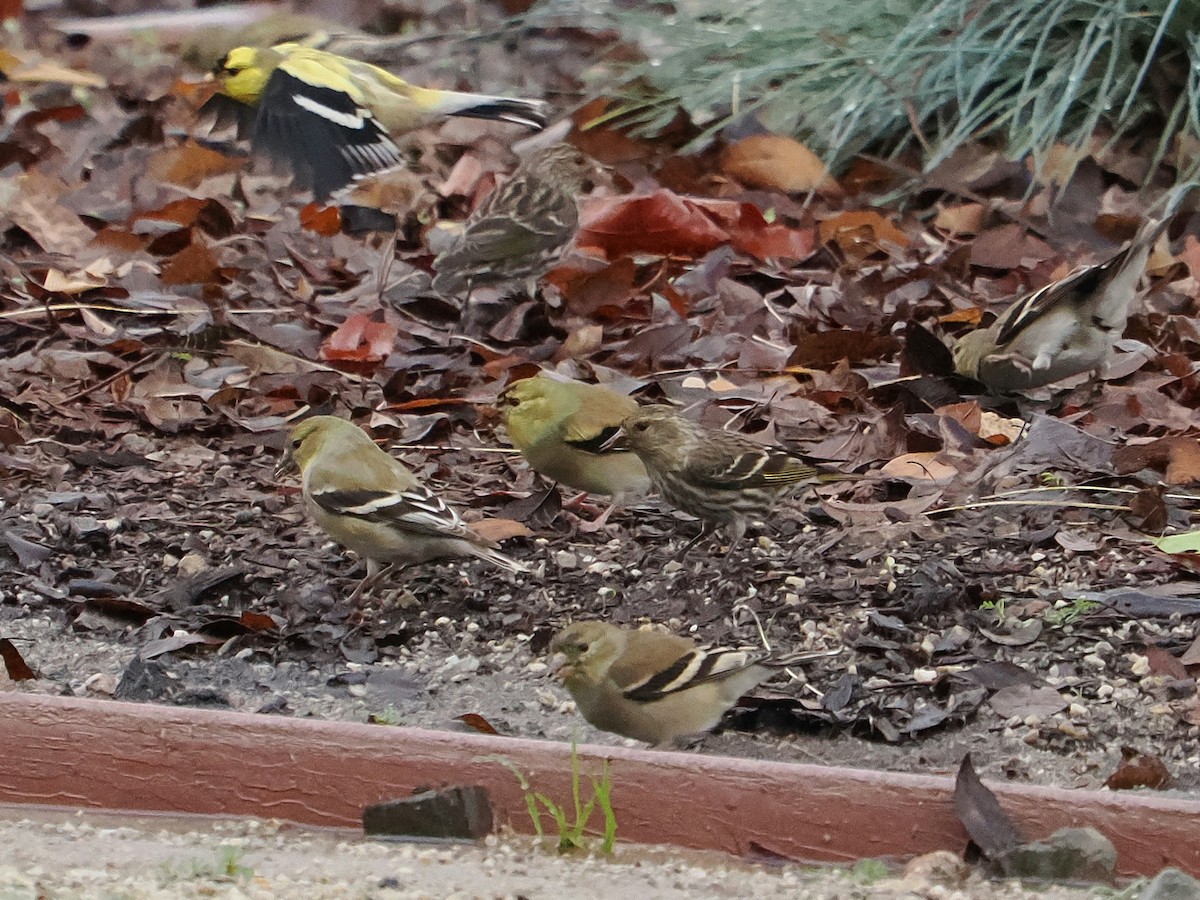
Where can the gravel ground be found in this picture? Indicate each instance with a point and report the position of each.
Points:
(60, 856)
(451, 668)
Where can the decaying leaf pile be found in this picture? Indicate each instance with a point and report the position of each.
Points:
(167, 307)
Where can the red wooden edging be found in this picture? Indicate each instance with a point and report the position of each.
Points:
(119, 756)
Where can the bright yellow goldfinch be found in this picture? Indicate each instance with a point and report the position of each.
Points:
(1064, 329)
(331, 117)
(652, 686)
(521, 229)
(561, 428)
(369, 503)
(722, 478)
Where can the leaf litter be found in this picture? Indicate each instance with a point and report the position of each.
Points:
(168, 307)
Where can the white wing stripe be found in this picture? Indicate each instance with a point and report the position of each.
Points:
(356, 120)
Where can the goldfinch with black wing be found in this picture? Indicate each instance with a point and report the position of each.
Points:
(652, 686)
(1064, 329)
(562, 427)
(330, 117)
(370, 503)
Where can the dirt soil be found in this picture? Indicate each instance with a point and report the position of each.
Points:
(177, 571)
(91, 855)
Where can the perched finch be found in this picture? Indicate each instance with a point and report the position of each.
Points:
(369, 503)
(520, 230)
(1064, 329)
(718, 476)
(652, 686)
(561, 428)
(331, 117)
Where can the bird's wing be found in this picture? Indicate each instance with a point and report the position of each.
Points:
(1076, 284)
(223, 111)
(597, 420)
(694, 668)
(1108, 286)
(307, 118)
(416, 510)
(745, 464)
(493, 239)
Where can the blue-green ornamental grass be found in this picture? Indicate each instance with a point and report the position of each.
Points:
(888, 75)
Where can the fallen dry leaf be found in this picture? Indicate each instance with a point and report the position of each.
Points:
(861, 230)
(361, 338)
(919, 467)
(74, 283)
(1009, 247)
(1177, 456)
(1138, 770)
(965, 218)
(325, 220)
(476, 722)
(661, 223)
(188, 164)
(45, 70)
(776, 162)
(36, 209)
(981, 814)
(14, 663)
(499, 530)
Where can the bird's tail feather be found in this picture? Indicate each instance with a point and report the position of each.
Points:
(497, 558)
(530, 113)
(799, 659)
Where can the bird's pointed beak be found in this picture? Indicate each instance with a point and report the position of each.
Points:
(560, 666)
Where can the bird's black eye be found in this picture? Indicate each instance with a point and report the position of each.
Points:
(640, 426)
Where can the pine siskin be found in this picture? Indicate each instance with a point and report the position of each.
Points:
(721, 477)
(522, 228)
(1064, 329)
(370, 503)
(652, 686)
(331, 117)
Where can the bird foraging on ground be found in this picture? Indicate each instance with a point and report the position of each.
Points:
(370, 503)
(562, 427)
(1064, 329)
(520, 230)
(719, 476)
(330, 117)
(652, 686)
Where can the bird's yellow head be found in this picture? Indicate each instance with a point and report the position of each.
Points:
(244, 71)
(533, 406)
(307, 439)
(658, 434)
(584, 651)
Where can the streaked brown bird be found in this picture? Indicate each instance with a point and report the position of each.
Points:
(722, 478)
(517, 234)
